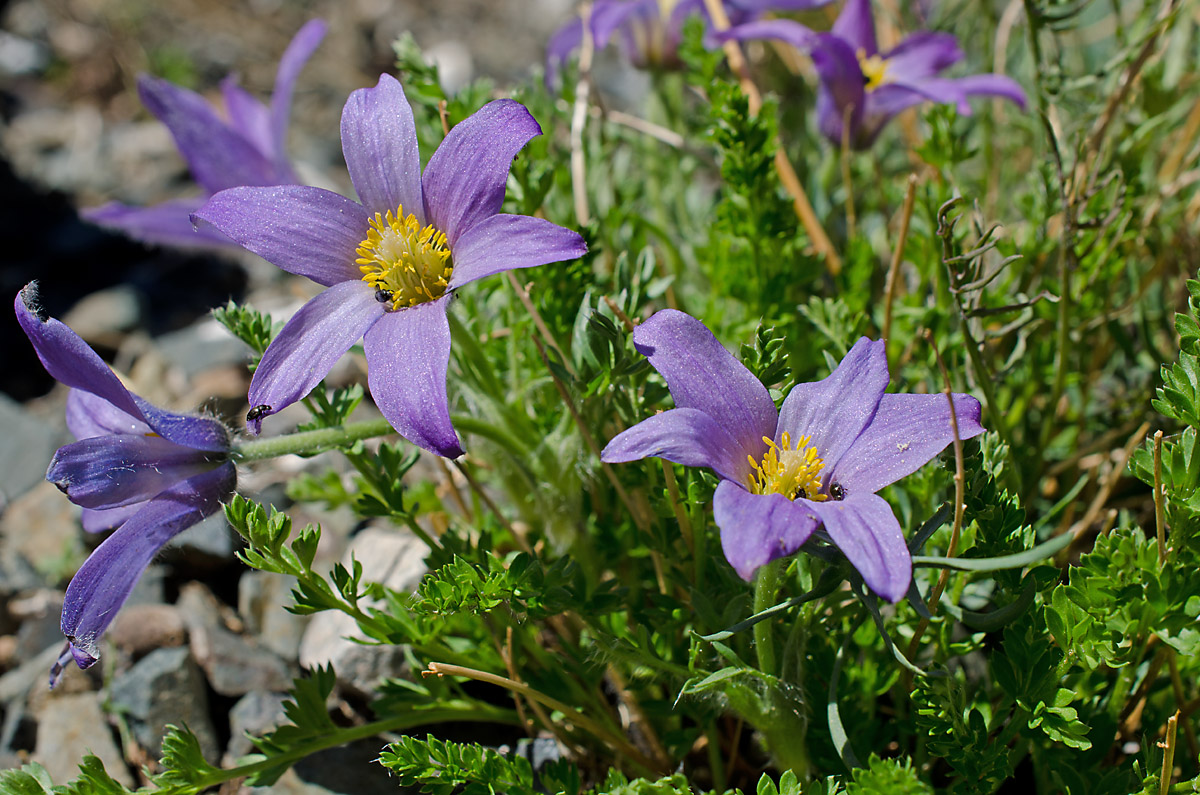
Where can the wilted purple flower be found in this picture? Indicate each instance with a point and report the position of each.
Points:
(150, 471)
(391, 263)
(650, 30)
(816, 463)
(866, 87)
(247, 148)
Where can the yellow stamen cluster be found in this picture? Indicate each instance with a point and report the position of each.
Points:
(874, 69)
(790, 471)
(406, 262)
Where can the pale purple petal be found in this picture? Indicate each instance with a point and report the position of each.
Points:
(309, 346)
(993, 86)
(702, 375)
(760, 6)
(464, 181)
(298, 51)
(120, 469)
(218, 156)
(759, 528)
(97, 520)
(685, 436)
(883, 104)
(785, 30)
(609, 17)
(89, 415)
(379, 141)
(835, 410)
(505, 242)
(562, 43)
(841, 91)
(248, 116)
(866, 531)
(856, 27)
(407, 355)
(166, 224)
(108, 576)
(906, 433)
(307, 231)
(922, 55)
(66, 357)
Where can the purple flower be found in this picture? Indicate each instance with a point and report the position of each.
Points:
(867, 87)
(152, 472)
(245, 149)
(392, 263)
(815, 463)
(650, 30)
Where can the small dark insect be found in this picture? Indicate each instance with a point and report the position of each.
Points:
(258, 412)
(382, 295)
(801, 494)
(836, 491)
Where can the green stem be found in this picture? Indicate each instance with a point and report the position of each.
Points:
(477, 713)
(309, 442)
(766, 586)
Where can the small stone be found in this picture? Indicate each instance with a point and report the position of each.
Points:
(202, 346)
(211, 542)
(141, 628)
(40, 629)
(261, 599)
(257, 712)
(20, 56)
(70, 727)
(235, 665)
(165, 687)
(106, 316)
(26, 445)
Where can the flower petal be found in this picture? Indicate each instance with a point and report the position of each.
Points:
(120, 469)
(218, 156)
(307, 231)
(89, 415)
(702, 375)
(906, 433)
(856, 27)
(866, 531)
(835, 410)
(685, 436)
(922, 55)
(309, 346)
(505, 242)
(464, 181)
(559, 47)
(379, 141)
(248, 116)
(66, 357)
(758, 528)
(407, 355)
(994, 86)
(298, 51)
(166, 224)
(785, 30)
(883, 104)
(760, 6)
(97, 520)
(841, 91)
(109, 574)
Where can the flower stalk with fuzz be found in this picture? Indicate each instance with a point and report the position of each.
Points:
(246, 148)
(392, 263)
(150, 472)
(864, 88)
(814, 464)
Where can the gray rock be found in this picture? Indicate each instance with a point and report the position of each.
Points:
(39, 624)
(70, 727)
(140, 629)
(257, 712)
(165, 687)
(201, 347)
(20, 56)
(26, 446)
(105, 316)
(351, 770)
(42, 528)
(235, 665)
(261, 599)
(210, 541)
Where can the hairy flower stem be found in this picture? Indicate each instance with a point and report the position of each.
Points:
(474, 712)
(766, 586)
(309, 442)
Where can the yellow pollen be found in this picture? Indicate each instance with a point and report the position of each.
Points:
(406, 262)
(874, 69)
(790, 471)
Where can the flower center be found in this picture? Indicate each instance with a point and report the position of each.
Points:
(790, 471)
(406, 262)
(874, 70)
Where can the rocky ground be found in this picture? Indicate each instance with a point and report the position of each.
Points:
(203, 640)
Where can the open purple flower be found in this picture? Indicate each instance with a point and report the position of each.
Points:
(150, 471)
(650, 30)
(815, 463)
(391, 263)
(865, 87)
(247, 148)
